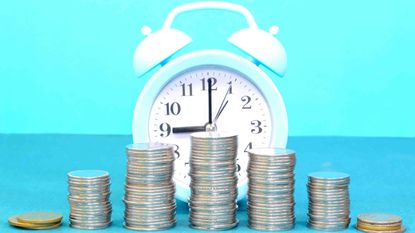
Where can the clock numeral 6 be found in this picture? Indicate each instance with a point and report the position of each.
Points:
(257, 127)
(246, 99)
(165, 130)
(173, 108)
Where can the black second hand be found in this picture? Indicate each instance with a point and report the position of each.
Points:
(222, 105)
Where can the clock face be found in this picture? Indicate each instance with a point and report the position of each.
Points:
(182, 106)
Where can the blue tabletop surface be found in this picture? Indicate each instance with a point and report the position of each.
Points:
(33, 175)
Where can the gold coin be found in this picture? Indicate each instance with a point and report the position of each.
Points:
(379, 218)
(40, 217)
(15, 222)
(402, 229)
(375, 227)
(46, 227)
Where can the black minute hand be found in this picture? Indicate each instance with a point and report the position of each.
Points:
(188, 129)
(210, 100)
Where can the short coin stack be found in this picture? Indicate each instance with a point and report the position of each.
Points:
(36, 220)
(149, 190)
(89, 192)
(329, 203)
(213, 181)
(379, 223)
(271, 189)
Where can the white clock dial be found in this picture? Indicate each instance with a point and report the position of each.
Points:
(183, 102)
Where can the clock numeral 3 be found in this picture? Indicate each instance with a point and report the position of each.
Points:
(257, 127)
(246, 99)
(173, 108)
(205, 84)
(165, 130)
(189, 88)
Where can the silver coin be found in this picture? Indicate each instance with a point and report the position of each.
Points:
(155, 227)
(212, 203)
(265, 227)
(149, 188)
(213, 226)
(329, 200)
(333, 176)
(88, 174)
(271, 188)
(89, 192)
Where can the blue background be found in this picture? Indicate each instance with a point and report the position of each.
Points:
(65, 66)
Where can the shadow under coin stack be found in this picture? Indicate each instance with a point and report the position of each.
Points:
(329, 203)
(213, 181)
(270, 189)
(149, 190)
(89, 192)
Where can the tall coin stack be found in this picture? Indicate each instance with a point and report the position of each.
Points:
(149, 190)
(213, 181)
(89, 192)
(270, 189)
(329, 203)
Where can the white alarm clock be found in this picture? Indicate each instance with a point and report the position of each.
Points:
(210, 89)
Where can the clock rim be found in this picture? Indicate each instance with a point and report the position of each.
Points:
(174, 67)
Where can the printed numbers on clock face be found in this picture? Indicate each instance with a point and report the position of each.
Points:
(183, 104)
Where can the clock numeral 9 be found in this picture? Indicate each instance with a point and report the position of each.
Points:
(246, 99)
(173, 108)
(205, 84)
(257, 127)
(165, 130)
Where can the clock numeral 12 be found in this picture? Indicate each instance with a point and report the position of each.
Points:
(205, 84)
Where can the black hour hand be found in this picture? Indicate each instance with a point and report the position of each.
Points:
(189, 129)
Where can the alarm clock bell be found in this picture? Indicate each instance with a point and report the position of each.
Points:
(159, 46)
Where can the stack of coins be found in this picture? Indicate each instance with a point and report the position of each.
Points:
(36, 220)
(213, 181)
(149, 190)
(379, 223)
(329, 203)
(89, 192)
(271, 189)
